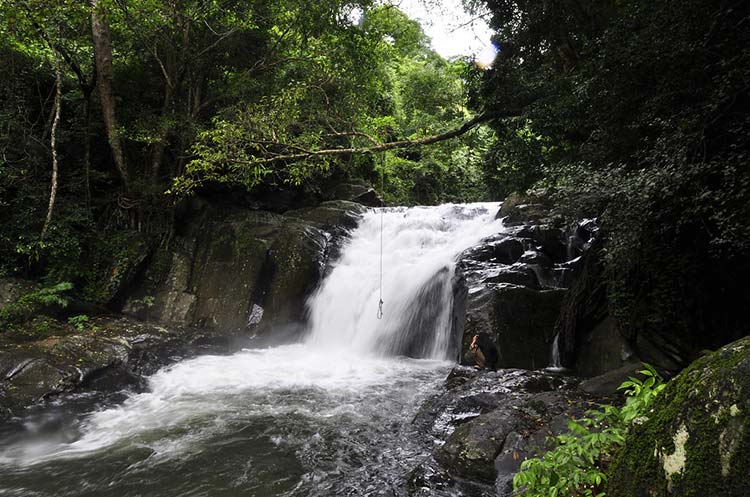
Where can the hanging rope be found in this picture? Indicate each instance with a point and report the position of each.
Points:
(382, 210)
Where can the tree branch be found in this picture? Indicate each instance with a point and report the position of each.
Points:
(382, 147)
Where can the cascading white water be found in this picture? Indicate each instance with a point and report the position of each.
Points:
(555, 362)
(419, 248)
(321, 418)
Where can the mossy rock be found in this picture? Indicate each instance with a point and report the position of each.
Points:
(696, 441)
(532, 207)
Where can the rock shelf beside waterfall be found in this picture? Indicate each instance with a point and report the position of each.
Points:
(514, 282)
(487, 423)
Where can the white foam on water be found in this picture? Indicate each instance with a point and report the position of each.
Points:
(418, 243)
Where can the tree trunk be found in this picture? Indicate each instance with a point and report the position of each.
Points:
(103, 59)
(87, 149)
(160, 144)
(53, 146)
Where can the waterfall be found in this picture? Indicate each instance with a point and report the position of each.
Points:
(420, 245)
(331, 416)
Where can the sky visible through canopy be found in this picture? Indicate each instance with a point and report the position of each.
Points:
(453, 31)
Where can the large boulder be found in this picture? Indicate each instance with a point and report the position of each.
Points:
(519, 319)
(471, 450)
(695, 441)
(333, 216)
(336, 218)
(591, 339)
(497, 249)
(515, 281)
(345, 188)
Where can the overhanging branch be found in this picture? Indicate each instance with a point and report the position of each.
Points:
(302, 154)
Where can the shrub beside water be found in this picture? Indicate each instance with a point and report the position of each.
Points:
(577, 463)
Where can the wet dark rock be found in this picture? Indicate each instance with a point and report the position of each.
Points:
(490, 422)
(607, 383)
(515, 280)
(108, 354)
(471, 450)
(336, 218)
(603, 349)
(516, 274)
(501, 249)
(519, 319)
(591, 339)
(583, 309)
(242, 271)
(549, 239)
(536, 258)
(427, 478)
(458, 313)
(331, 216)
(696, 439)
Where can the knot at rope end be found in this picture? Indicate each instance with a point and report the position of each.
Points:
(380, 309)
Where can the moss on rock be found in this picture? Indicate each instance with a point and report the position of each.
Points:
(696, 441)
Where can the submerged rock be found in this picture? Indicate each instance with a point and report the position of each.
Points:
(696, 440)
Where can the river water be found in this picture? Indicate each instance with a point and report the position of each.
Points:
(330, 415)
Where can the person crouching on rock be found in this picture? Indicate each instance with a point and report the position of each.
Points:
(485, 352)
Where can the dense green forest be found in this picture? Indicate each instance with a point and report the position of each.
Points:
(112, 111)
(122, 109)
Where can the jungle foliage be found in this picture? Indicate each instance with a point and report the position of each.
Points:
(168, 98)
(577, 461)
(635, 113)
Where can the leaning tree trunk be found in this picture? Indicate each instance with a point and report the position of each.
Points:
(103, 59)
(53, 146)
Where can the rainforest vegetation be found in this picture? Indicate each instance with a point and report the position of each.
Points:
(114, 111)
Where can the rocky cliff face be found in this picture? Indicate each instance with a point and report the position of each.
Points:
(539, 280)
(514, 282)
(239, 271)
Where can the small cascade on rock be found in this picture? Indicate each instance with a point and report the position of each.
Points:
(420, 245)
(555, 362)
